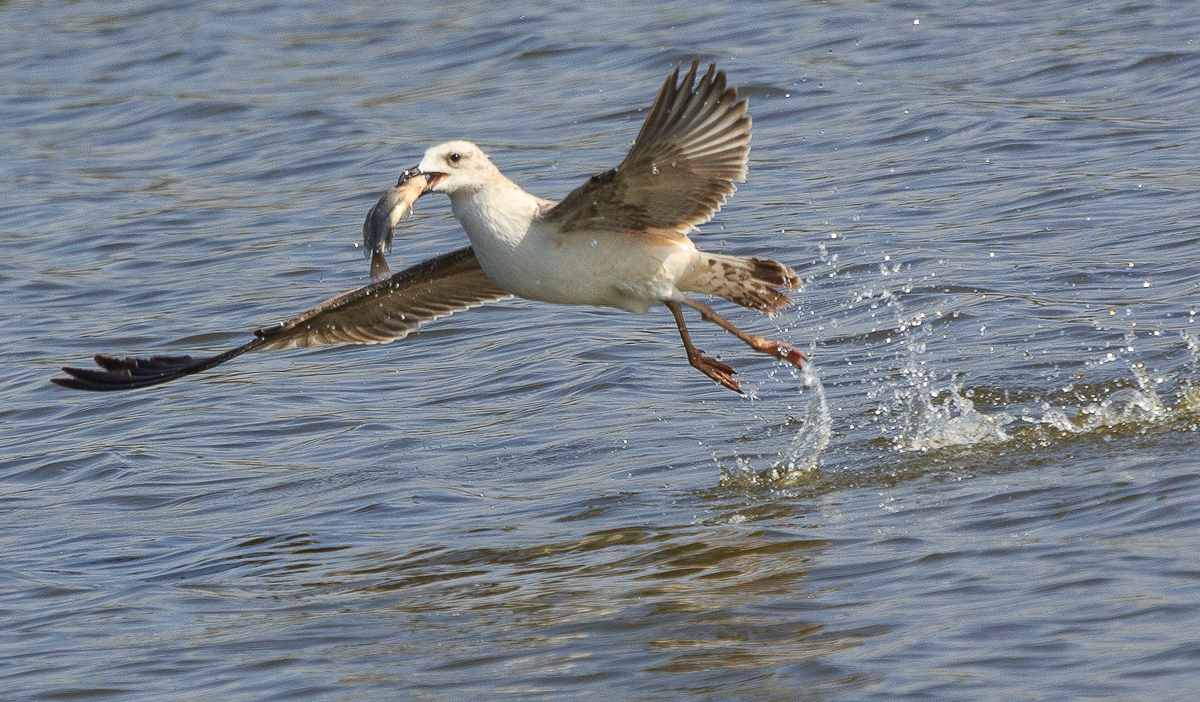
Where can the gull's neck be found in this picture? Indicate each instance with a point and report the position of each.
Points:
(498, 211)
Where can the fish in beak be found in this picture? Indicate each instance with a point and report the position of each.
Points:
(395, 205)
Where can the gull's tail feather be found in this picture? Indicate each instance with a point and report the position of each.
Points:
(750, 282)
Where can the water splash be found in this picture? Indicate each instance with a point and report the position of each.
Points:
(804, 453)
(936, 419)
(952, 422)
(928, 415)
(923, 411)
(801, 462)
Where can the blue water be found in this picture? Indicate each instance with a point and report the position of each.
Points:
(986, 488)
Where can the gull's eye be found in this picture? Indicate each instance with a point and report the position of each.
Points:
(454, 157)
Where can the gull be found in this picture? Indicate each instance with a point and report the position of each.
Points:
(620, 240)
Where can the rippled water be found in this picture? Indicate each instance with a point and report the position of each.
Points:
(986, 488)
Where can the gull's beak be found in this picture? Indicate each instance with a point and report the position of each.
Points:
(434, 177)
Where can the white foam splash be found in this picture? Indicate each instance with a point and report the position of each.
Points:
(952, 422)
(1142, 404)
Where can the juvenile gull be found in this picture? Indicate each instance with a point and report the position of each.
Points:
(620, 240)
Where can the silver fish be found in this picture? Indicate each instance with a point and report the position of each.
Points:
(395, 205)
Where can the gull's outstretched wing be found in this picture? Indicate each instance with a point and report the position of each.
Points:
(378, 313)
(694, 144)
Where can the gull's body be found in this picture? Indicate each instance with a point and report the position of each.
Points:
(534, 259)
(620, 240)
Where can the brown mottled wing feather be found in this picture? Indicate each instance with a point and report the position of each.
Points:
(389, 309)
(694, 144)
(378, 313)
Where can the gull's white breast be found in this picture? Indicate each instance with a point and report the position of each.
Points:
(523, 254)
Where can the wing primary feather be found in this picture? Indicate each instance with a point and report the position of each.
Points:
(693, 146)
(129, 373)
(387, 310)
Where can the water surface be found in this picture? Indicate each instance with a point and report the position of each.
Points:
(986, 488)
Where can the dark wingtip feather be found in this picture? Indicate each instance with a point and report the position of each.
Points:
(71, 383)
(130, 373)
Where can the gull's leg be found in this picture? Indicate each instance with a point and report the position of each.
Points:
(777, 349)
(711, 367)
